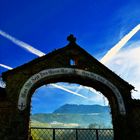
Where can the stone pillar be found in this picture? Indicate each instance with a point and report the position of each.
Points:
(134, 121)
(7, 129)
(119, 125)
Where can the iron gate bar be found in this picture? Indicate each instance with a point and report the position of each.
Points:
(97, 136)
(76, 134)
(53, 134)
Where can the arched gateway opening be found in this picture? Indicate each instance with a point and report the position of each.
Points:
(69, 105)
(71, 75)
(70, 64)
(69, 111)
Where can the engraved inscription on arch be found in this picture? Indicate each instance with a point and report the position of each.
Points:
(23, 96)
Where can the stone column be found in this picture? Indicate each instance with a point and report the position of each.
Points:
(7, 129)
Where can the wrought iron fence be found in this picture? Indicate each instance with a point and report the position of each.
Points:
(71, 134)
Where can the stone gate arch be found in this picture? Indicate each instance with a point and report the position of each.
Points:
(33, 81)
(57, 67)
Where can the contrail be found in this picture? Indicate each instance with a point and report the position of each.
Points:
(120, 44)
(75, 93)
(22, 44)
(5, 66)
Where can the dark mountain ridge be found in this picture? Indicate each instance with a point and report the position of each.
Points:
(82, 109)
(83, 115)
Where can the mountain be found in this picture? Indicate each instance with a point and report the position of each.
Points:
(82, 109)
(79, 115)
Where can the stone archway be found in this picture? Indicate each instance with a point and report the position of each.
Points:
(46, 74)
(57, 67)
(67, 75)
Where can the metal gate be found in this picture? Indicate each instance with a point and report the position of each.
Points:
(71, 134)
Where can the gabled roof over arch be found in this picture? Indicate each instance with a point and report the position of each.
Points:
(62, 58)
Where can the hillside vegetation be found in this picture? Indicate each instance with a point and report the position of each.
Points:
(75, 116)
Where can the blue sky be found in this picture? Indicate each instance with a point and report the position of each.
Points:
(98, 25)
(48, 98)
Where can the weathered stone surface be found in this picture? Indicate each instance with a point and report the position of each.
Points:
(15, 122)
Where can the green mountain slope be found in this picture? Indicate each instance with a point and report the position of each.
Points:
(98, 116)
(82, 109)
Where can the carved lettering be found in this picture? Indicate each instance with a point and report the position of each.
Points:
(50, 72)
(43, 74)
(29, 84)
(35, 78)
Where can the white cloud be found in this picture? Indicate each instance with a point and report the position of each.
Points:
(2, 84)
(93, 96)
(126, 64)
